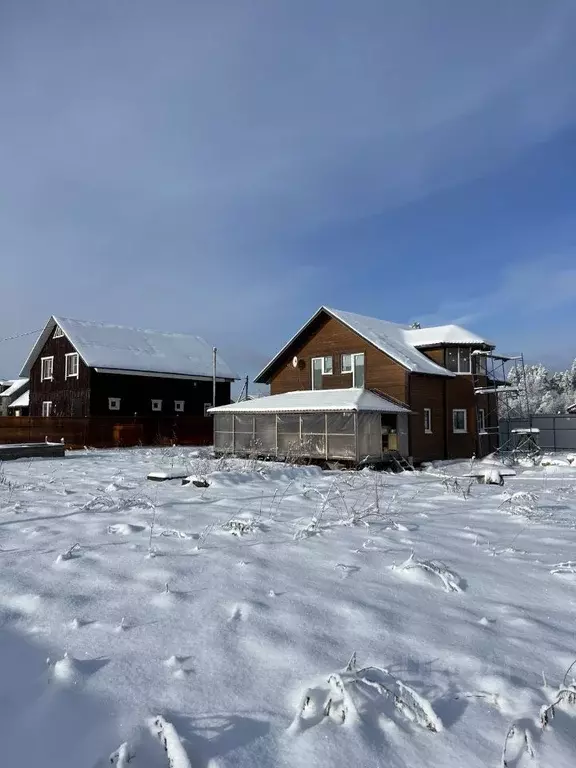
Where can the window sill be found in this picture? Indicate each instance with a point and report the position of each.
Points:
(460, 431)
(428, 432)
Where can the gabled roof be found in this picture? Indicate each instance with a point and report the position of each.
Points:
(14, 388)
(390, 338)
(400, 342)
(315, 400)
(131, 350)
(21, 402)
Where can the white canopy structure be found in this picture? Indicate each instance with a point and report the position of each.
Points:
(316, 424)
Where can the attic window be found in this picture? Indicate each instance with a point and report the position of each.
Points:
(156, 405)
(58, 333)
(113, 403)
(458, 359)
(179, 406)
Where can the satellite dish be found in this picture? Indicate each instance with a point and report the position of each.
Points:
(295, 361)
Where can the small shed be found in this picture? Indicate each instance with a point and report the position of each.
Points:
(344, 424)
(20, 406)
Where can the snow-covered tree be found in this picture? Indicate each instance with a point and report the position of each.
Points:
(541, 391)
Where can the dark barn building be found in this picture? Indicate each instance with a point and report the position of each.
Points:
(85, 369)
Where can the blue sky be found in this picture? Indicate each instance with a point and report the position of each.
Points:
(226, 167)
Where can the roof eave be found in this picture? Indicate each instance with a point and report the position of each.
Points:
(162, 374)
(436, 344)
(261, 377)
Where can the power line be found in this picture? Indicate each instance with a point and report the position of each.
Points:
(20, 335)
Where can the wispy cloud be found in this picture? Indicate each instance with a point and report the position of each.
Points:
(158, 162)
(525, 311)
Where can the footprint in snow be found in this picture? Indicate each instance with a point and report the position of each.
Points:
(124, 529)
(239, 613)
(346, 570)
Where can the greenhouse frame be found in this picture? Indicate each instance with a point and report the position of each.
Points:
(352, 425)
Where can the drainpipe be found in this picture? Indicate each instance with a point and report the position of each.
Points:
(214, 352)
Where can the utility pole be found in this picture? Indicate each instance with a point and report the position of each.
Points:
(214, 352)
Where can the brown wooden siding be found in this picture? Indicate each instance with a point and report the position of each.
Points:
(427, 392)
(137, 392)
(107, 431)
(69, 397)
(88, 394)
(435, 354)
(329, 336)
(460, 394)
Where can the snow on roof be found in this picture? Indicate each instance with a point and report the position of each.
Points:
(392, 339)
(442, 334)
(21, 402)
(126, 350)
(315, 400)
(400, 342)
(14, 388)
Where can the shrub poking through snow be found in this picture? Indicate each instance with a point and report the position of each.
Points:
(337, 700)
(203, 536)
(566, 695)
(522, 503)
(122, 756)
(70, 554)
(568, 567)
(450, 580)
(168, 736)
(240, 527)
(458, 488)
(520, 738)
(309, 529)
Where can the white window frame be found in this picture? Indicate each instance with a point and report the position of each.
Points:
(428, 421)
(342, 368)
(324, 358)
(179, 406)
(58, 333)
(354, 356)
(46, 411)
(67, 357)
(470, 357)
(481, 420)
(323, 367)
(114, 403)
(156, 405)
(454, 429)
(47, 360)
(206, 406)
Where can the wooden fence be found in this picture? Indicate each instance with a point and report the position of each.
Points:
(107, 432)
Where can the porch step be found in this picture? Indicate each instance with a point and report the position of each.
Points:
(400, 462)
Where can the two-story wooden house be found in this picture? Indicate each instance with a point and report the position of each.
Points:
(84, 369)
(436, 376)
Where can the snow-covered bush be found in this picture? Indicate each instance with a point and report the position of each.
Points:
(351, 690)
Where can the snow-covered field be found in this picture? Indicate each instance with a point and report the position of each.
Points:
(222, 621)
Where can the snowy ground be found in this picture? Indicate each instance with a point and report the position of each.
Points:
(225, 617)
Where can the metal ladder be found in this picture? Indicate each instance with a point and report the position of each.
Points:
(401, 462)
